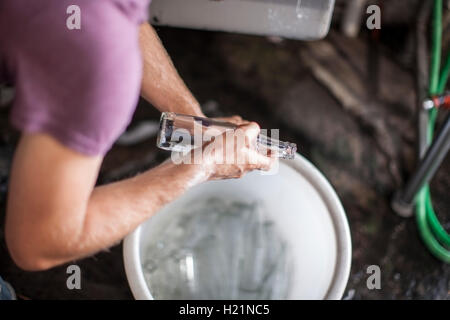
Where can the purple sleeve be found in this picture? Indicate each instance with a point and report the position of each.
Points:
(79, 86)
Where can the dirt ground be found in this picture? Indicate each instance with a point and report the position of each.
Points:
(365, 155)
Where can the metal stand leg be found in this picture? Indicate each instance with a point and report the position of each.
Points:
(403, 202)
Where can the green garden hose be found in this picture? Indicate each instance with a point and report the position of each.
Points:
(433, 234)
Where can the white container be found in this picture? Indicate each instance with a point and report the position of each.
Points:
(293, 19)
(305, 209)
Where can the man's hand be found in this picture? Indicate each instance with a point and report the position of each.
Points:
(231, 154)
(247, 158)
(244, 155)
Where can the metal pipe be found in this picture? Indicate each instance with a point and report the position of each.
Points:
(403, 202)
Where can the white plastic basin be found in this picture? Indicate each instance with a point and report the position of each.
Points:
(306, 210)
(293, 19)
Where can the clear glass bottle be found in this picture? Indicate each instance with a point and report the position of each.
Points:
(178, 132)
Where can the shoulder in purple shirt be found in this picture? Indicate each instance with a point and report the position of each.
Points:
(79, 86)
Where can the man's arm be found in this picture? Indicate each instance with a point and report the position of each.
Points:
(55, 215)
(161, 84)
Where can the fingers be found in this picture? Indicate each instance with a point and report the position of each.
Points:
(251, 131)
(255, 159)
(237, 120)
(259, 161)
(239, 157)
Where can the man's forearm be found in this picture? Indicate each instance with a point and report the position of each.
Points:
(114, 210)
(161, 83)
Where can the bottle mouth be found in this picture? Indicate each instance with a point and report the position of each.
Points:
(291, 151)
(284, 150)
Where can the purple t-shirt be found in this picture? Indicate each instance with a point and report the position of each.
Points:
(80, 86)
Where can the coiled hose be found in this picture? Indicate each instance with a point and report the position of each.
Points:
(432, 232)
